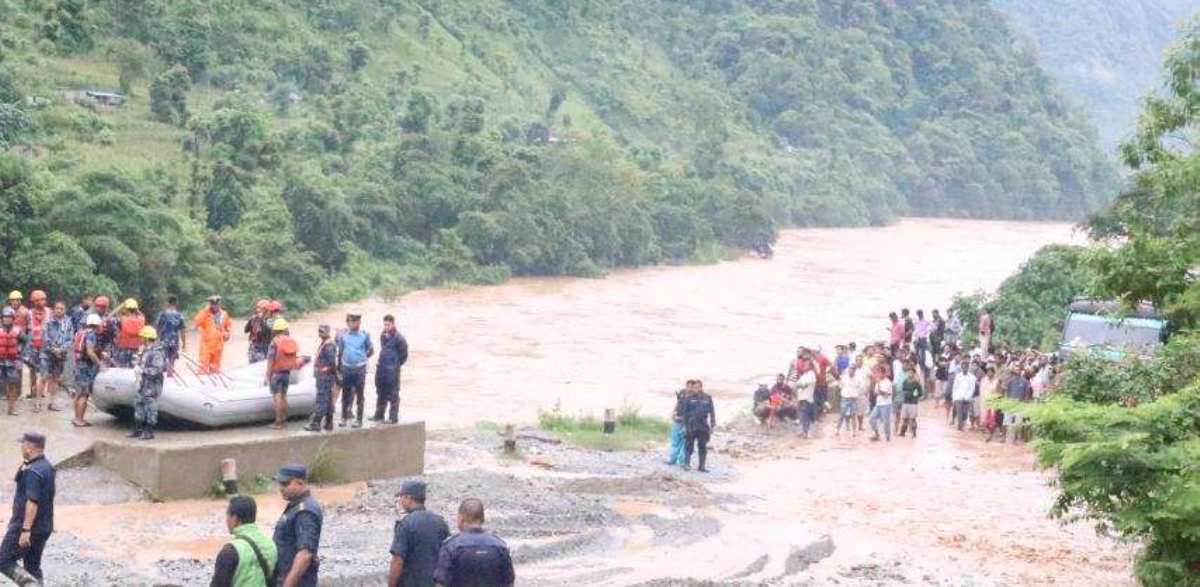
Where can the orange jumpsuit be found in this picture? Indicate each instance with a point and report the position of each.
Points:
(214, 331)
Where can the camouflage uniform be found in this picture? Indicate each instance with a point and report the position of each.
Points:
(152, 364)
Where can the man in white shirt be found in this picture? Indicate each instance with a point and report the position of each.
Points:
(806, 385)
(963, 392)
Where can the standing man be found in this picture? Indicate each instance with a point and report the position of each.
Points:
(921, 332)
(325, 371)
(53, 357)
(87, 365)
(986, 328)
(937, 333)
(298, 531)
(953, 328)
(473, 556)
(806, 386)
(106, 332)
(416, 540)
(882, 411)
(214, 325)
(963, 392)
(151, 367)
(851, 390)
(32, 519)
(170, 332)
(676, 452)
(283, 357)
(259, 332)
(699, 419)
(10, 358)
(895, 333)
(910, 394)
(129, 333)
(354, 350)
(393, 353)
(37, 317)
(249, 559)
(80, 311)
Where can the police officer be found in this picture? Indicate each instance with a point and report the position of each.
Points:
(325, 370)
(393, 353)
(298, 531)
(151, 367)
(249, 559)
(33, 514)
(699, 420)
(473, 557)
(416, 540)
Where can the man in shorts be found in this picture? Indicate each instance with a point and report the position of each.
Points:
(53, 357)
(87, 365)
(11, 338)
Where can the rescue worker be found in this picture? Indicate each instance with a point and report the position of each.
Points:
(354, 350)
(32, 519)
(298, 531)
(80, 311)
(20, 313)
(473, 556)
(107, 329)
(151, 368)
(416, 539)
(249, 559)
(129, 334)
(88, 363)
(325, 371)
(393, 353)
(274, 312)
(53, 358)
(170, 332)
(37, 315)
(699, 419)
(10, 358)
(214, 325)
(260, 333)
(283, 357)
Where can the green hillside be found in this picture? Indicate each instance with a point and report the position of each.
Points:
(1105, 53)
(319, 150)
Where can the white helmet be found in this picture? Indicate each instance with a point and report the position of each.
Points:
(92, 320)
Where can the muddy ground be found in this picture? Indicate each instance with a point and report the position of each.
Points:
(944, 509)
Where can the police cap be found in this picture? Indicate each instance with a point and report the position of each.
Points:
(289, 472)
(414, 489)
(35, 438)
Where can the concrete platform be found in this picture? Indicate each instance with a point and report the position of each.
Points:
(190, 467)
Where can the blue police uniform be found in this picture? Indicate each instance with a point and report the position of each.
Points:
(325, 368)
(299, 528)
(416, 539)
(34, 482)
(169, 326)
(393, 353)
(474, 558)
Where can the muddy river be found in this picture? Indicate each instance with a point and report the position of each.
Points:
(502, 353)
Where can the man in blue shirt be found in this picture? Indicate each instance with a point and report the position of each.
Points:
(354, 350)
(416, 540)
(473, 557)
(32, 518)
(393, 353)
(298, 532)
(169, 327)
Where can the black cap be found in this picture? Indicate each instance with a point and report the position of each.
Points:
(35, 438)
(289, 472)
(413, 489)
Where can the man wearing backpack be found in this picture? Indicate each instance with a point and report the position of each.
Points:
(283, 357)
(249, 559)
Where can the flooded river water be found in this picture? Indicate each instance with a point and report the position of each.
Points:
(502, 353)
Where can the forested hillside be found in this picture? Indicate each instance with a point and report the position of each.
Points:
(1105, 53)
(316, 150)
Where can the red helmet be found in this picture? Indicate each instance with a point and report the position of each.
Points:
(101, 301)
(37, 296)
(275, 306)
(261, 305)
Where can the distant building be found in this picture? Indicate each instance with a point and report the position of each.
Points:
(106, 98)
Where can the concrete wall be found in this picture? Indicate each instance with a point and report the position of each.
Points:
(178, 471)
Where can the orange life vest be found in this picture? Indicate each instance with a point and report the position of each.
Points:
(129, 337)
(287, 354)
(10, 346)
(37, 326)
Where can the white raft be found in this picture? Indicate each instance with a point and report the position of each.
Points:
(236, 397)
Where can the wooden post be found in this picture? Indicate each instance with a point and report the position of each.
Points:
(610, 421)
(510, 439)
(229, 476)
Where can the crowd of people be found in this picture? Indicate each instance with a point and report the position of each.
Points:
(64, 350)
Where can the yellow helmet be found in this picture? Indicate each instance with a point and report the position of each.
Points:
(130, 304)
(148, 333)
(280, 325)
(15, 295)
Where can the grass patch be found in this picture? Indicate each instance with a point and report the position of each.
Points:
(325, 468)
(634, 431)
(256, 485)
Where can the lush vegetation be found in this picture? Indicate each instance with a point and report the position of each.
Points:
(633, 430)
(1105, 53)
(320, 150)
(1124, 438)
(1029, 307)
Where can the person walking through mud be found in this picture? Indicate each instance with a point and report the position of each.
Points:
(699, 419)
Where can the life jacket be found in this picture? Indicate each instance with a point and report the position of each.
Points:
(129, 336)
(37, 326)
(287, 354)
(10, 346)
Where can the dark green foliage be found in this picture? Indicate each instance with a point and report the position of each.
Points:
(1100, 380)
(168, 95)
(66, 24)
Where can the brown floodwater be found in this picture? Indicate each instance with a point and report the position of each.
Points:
(503, 353)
